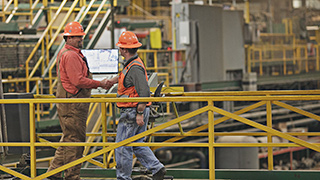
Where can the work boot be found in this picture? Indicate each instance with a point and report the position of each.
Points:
(160, 174)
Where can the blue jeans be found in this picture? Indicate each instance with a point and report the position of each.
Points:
(127, 127)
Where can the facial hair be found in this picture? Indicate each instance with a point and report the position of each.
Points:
(80, 44)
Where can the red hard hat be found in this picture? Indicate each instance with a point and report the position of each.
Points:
(73, 29)
(128, 40)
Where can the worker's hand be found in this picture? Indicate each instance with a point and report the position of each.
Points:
(109, 84)
(139, 119)
(106, 84)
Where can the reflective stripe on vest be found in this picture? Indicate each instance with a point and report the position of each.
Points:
(126, 69)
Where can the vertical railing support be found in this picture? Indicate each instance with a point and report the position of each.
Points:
(249, 59)
(2, 12)
(306, 57)
(43, 55)
(317, 60)
(31, 12)
(299, 58)
(260, 62)
(155, 61)
(269, 136)
(15, 3)
(104, 130)
(284, 61)
(47, 51)
(33, 170)
(211, 142)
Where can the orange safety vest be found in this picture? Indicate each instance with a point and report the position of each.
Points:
(130, 91)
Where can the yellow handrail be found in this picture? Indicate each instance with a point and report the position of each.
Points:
(259, 99)
(291, 59)
(5, 10)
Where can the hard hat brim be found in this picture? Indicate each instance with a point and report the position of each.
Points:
(73, 34)
(130, 46)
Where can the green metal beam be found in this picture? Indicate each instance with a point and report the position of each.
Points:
(262, 80)
(267, 175)
(235, 174)
(222, 85)
(303, 77)
(12, 28)
(46, 124)
(135, 25)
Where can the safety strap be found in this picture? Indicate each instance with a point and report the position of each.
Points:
(59, 79)
(125, 70)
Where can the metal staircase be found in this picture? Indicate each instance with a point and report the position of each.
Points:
(18, 19)
(39, 67)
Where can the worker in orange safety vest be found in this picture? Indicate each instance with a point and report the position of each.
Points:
(133, 82)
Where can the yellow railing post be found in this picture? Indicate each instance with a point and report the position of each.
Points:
(175, 68)
(5, 9)
(50, 79)
(167, 84)
(155, 61)
(38, 105)
(299, 58)
(47, 50)
(290, 27)
(49, 19)
(249, 58)
(45, 3)
(317, 60)
(31, 12)
(43, 55)
(145, 57)
(247, 11)
(253, 58)
(16, 3)
(33, 157)
(211, 142)
(2, 12)
(284, 61)
(285, 22)
(306, 58)
(260, 62)
(104, 130)
(269, 137)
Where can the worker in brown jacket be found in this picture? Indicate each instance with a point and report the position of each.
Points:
(74, 81)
